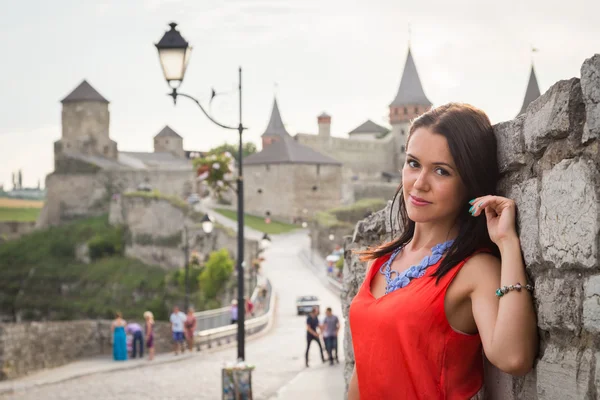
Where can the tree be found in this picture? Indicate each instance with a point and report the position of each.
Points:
(216, 273)
(247, 149)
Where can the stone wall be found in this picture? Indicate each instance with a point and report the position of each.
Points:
(10, 230)
(374, 190)
(284, 190)
(71, 196)
(365, 159)
(155, 231)
(31, 346)
(549, 158)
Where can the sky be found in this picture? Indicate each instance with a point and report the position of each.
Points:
(344, 57)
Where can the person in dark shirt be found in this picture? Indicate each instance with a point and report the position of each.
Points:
(312, 324)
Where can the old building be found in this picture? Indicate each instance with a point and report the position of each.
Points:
(89, 168)
(287, 180)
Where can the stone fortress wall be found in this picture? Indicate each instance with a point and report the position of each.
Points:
(550, 160)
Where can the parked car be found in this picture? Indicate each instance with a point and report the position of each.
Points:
(193, 198)
(305, 304)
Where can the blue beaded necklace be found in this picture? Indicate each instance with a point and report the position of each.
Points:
(395, 280)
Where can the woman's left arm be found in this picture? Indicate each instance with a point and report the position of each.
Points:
(507, 324)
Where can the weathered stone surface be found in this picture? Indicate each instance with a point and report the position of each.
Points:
(511, 146)
(527, 197)
(559, 302)
(564, 374)
(548, 117)
(590, 87)
(591, 304)
(569, 214)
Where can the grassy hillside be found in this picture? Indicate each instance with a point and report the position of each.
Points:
(19, 210)
(40, 277)
(258, 223)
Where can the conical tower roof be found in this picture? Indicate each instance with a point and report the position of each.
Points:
(168, 132)
(410, 91)
(532, 92)
(84, 92)
(275, 126)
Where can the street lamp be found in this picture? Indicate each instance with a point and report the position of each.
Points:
(174, 54)
(207, 224)
(265, 242)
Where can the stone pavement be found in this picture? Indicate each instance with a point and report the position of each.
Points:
(278, 355)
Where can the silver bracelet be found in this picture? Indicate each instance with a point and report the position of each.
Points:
(517, 286)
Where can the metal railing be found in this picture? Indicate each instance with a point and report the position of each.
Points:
(227, 333)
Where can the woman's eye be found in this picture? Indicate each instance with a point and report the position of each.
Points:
(412, 163)
(441, 171)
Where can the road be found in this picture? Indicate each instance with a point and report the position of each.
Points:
(279, 355)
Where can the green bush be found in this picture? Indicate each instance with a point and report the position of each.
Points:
(216, 273)
(106, 245)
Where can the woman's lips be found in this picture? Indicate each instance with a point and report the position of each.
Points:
(418, 201)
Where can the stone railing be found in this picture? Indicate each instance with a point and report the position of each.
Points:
(549, 159)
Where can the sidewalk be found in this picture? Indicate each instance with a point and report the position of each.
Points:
(90, 366)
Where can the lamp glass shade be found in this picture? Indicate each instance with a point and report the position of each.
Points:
(207, 224)
(174, 63)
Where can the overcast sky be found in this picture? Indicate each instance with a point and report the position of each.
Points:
(344, 57)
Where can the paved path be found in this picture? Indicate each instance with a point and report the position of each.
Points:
(278, 355)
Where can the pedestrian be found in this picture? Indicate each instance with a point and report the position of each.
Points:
(312, 327)
(330, 329)
(117, 328)
(135, 330)
(190, 328)
(234, 311)
(177, 325)
(149, 317)
(249, 307)
(452, 282)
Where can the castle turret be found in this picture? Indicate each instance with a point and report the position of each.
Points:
(410, 101)
(532, 92)
(324, 121)
(85, 125)
(169, 141)
(275, 129)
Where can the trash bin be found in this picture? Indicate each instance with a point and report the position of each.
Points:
(237, 381)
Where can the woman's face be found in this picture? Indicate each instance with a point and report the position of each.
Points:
(432, 189)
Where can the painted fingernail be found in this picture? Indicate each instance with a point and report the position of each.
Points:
(471, 201)
(471, 209)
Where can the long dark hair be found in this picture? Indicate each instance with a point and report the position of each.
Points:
(472, 144)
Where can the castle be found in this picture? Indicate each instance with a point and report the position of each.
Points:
(291, 176)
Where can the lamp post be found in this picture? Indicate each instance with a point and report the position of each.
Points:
(207, 227)
(174, 54)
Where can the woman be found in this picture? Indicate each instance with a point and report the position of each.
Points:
(149, 331)
(119, 337)
(453, 281)
(190, 327)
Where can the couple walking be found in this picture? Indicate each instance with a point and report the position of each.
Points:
(328, 329)
(182, 328)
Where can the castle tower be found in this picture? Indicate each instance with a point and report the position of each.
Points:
(410, 101)
(275, 129)
(169, 141)
(324, 121)
(85, 125)
(532, 92)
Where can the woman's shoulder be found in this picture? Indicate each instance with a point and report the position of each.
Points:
(481, 265)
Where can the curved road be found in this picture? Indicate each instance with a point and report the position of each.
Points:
(278, 355)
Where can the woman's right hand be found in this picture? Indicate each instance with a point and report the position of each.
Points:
(353, 393)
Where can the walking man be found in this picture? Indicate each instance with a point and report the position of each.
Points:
(330, 329)
(312, 324)
(177, 323)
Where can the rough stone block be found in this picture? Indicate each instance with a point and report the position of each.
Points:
(590, 87)
(527, 197)
(591, 304)
(569, 214)
(559, 302)
(549, 117)
(564, 374)
(511, 146)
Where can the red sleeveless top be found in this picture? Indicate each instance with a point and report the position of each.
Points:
(404, 347)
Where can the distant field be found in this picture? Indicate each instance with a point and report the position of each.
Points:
(258, 223)
(19, 210)
(6, 202)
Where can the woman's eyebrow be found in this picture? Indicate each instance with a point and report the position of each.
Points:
(434, 163)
